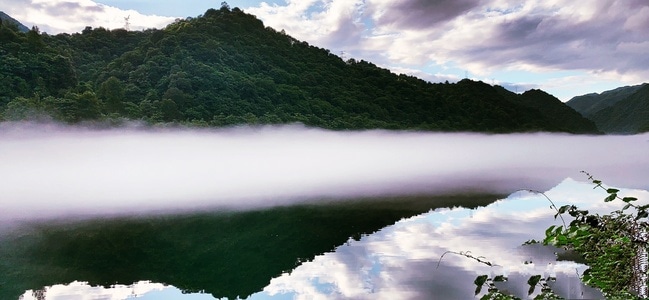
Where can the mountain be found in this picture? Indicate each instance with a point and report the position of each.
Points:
(226, 68)
(563, 116)
(622, 110)
(629, 115)
(589, 104)
(8, 20)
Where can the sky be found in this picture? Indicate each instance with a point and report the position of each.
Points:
(566, 48)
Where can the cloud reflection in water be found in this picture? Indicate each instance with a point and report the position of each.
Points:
(400, 261)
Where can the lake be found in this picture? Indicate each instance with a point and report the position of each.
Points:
(359, 249)
(288, 212)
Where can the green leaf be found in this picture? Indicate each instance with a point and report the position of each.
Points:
(597, 181)
(612, 191)
(500, 278)
(642, 214)
(533, 281)
(478, 289)
(610, 198)
(550, 230)
(629, 199)
(626, 206)
(564, 208)
(480, 280)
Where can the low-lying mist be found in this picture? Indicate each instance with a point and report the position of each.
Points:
(56, 171)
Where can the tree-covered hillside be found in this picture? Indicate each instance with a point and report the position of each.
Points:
(631, 115)
(7, 20)
(622, 110)
(225, 68)
(589, 104)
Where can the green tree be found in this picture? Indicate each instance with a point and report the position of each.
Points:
(21, 108)
(111, 92)
(169, 110)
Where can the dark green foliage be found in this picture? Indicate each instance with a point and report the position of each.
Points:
(112, 93)
(630, 115)
(226, 68)
(606, 242)
(556, 112)
(622, 110)
(589, 104)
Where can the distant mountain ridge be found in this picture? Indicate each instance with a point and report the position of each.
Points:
(622, 110)
(6, 18)
(561, 114)
(226, 68)
(590, 104)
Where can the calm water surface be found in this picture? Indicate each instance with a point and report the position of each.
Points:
(352, 250)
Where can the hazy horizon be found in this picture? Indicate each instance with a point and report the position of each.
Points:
(56, 171)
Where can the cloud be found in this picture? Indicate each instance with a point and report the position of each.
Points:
(438, 77)
(604, 38)
(333, 24)
(417, 14)
(59, 16)
(83, 291)
(549, 38)
(51, 171)
(408, 260)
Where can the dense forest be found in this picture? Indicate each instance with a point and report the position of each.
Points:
(225, 68)
(622, 110)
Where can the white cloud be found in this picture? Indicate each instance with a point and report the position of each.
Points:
(437, 77)
(83, 291)
(57, 16)
(481, 36)
(326, 23)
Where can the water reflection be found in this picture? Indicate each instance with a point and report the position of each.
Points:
(142, 290)
(225, 253)
(402, 261)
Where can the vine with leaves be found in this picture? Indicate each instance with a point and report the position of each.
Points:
(608, 243)
(612, 245)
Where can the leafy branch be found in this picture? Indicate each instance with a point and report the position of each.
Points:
(608, 243)
(492, 290)
(480, 259)
(641, 210)
(552, 205)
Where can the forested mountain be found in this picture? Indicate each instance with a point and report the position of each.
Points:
(7, 20)
(630, 115)
(553, 110)
(622, 110)
(589, 104)
(225, 67)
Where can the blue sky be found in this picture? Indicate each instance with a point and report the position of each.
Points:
(565, 48)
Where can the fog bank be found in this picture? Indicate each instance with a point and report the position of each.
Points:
(53, 171)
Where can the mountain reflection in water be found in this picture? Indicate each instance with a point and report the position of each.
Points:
(402, 261)
(223, 253)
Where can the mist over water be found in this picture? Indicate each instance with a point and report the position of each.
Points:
(56, 171)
